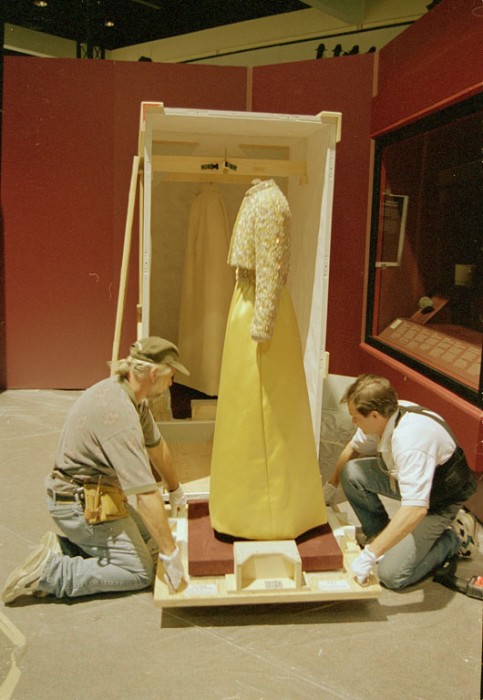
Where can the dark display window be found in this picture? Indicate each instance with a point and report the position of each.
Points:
(425, 305)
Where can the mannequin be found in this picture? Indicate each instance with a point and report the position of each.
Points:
(265, 479)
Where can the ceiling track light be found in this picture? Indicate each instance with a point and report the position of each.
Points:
(147, 4)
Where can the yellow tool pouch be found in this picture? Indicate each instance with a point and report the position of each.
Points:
(103, 503)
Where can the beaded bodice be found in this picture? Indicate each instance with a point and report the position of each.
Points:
(261, 242)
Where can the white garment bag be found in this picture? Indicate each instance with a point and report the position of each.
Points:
(206, 291)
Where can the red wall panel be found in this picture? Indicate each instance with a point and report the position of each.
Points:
(431, 64)
(57, 204)
(344, 85)
(69, 135)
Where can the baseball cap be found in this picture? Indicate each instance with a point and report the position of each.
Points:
(158, 351)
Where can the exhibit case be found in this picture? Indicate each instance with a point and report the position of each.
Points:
(425, 288)
(182, 151)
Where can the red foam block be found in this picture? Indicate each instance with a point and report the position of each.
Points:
(210, 554)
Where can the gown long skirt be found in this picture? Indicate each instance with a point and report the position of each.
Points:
(265, 480)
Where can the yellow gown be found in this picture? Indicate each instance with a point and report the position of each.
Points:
(265, 480)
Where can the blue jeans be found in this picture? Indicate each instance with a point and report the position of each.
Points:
(112, 556)
(417, 554)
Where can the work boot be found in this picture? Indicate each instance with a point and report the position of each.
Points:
(466, 528)
(25, 579)
(53, 542)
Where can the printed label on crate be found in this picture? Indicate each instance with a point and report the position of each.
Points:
(333, 586)
(273, 584)
(201, 590)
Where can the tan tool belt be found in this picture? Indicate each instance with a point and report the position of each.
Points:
(103, 503)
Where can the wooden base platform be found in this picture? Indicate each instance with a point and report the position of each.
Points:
(268, 573)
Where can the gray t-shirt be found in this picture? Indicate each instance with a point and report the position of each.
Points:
(106, 434)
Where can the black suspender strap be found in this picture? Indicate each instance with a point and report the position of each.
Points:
(425, 412)
(453, 481)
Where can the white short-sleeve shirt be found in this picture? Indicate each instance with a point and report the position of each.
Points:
(411, 451)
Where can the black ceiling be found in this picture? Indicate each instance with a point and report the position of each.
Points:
(136, 21)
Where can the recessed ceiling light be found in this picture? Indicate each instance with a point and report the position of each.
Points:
(40, 3)
(108, 23)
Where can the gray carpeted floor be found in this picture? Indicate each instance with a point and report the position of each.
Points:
(423, 643)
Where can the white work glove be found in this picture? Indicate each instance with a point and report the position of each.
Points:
(363, 565)
(177, 500)
(330, 493)
(173, 569)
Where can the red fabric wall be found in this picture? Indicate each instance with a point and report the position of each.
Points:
(70, 270)
(69, 135)
(57, 200)
(344, 85)
(432, 64)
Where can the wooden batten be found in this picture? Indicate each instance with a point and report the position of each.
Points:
(121, 300)
(204, 168)
(213, 177)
